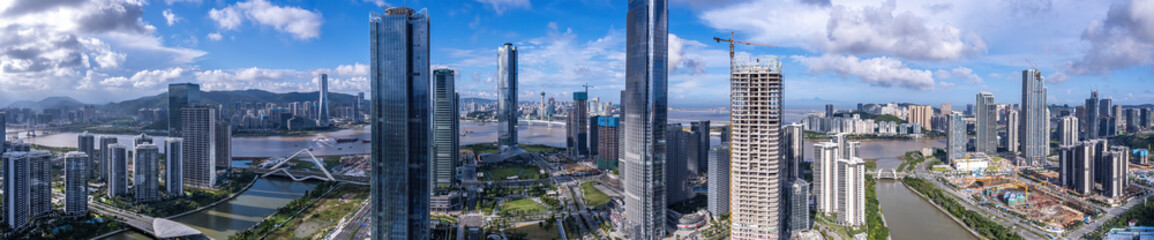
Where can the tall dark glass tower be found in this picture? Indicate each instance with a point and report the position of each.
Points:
(445, 133)
(506, 97)
(180, 95)
(323, 102)
(647, 39)
(401, 125)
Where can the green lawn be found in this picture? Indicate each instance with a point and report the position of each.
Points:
(535, 231)
(539, 148)
(593, 197)
(500, 173)
(520, 206)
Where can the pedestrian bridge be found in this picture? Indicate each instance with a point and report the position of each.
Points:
(889, 174)
(160, 228)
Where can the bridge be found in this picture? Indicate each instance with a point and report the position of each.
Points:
(324, 175)
(541, 122)
(891, 174)
(157, 227)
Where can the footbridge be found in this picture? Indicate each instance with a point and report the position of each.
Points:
(280, 170)
(889, 174)
(160, 228)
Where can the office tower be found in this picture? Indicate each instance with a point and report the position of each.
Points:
(646, 67)
(40, 182)
(793, 151)
(592, 137)
(199, 130)
(725, 134)
(4, 131)
(921, 115)
(1113, 167)
(1068, 130)
(1092, 116)
(173, 164)
(757, 179)
(105, 155)
(17, 190)
(676, 163)
(851, 191)
(956, 137)
(829, 110)
(1104, 112)
(541, 108)
(985, 112)
(1132, 120)
(76, 183)
(947, 108)
(180, 95)
(117, 170)
(608, 142)
(445, 133)
(798, 192)
(146, 172)
(846, 148)
(222, 145)
(1076, 166)
(358, 107)
(86, 144)
(698, 147)
(1012, 131)
(1035, 119)
(507, 97)
(141, 139)
(323, 102)
(576, 133)
(1146, 120)
(400, 124)
(1119, 119)
(825, 176)
(718, 189)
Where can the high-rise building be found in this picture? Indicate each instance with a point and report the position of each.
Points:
(1092, 116)
(507, 97)
(3, 131)
(86, 144)
(718, 189)
(76, 183)
(1119, 119)
(1113, 166)
(985, 112)
(698, 147)
(1068, 130)
(829, 110)
(180, 95)
(608, 142)
(921, 114)
(756, 179)
(676, 163)
(358, 107)
(1133, 123)
(825, 176)
(947, 108)
(400, 124)
(141, 139)
(1076, 164)
(105, 155)
(323, 102)
(793, 150)
(576, 133)
(851, 191)
(1106, 117)
(40, 182)
(198, 152)
(798, 213)
(146, 179)
(1035, 119)
(117, 170)
(646, 92)
(445, 133)
(17, 190)
(222, 145)
(956, 138)
(173, 164)
(1012, 131)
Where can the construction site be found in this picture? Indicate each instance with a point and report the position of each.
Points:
(1037, 201)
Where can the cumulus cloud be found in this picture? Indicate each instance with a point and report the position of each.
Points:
(170, 17)
(1058, 77)
(500, 6)
(680, 60)
(961, 73)
(214, 36)
(301, 24)
(144, 79)
(1124, 39)
(879, 30)
(880, 71)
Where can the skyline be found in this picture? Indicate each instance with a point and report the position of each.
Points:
(924, 52)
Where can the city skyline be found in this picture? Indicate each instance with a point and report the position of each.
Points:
(227, 46)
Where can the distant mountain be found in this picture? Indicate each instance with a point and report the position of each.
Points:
(63, 103)
(229, 98)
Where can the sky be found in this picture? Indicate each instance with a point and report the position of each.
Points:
(840, 52)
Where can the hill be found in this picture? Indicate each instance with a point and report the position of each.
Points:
(230, 98)
(64, 103)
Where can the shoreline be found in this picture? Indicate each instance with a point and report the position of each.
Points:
(947, 213)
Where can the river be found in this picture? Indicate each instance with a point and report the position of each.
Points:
(242, 212)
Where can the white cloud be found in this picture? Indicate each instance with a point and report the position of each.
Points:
(500, 6)
(301, 24)
(379, 3)
(1058, 77)
(170, 17)
(170, 2)
(1124, 39)
(681, 58)
(877, 30)
(214, 36)
(880, 71)
(144, 79)
(959, 72)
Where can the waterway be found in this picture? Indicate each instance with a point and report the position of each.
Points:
(242, 212)
(911, 217)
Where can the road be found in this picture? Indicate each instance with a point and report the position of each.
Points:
(143, 223)
(922, 171)
(353, 225)
(1110, 214)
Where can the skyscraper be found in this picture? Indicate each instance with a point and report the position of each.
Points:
(146, 172)
(798, 213)
(756, 179)
(985, 112)
(577, 133)
(358, 107)
(222, 145)
(921, 114)
(40, 182)
(1092, 115)
(718, 190)
(105, 155)
(608, 142)
(829, 110)
(793, 151)
(400, 124)
(1035, 121)
(141, 139)
(956, 138)
(947, 108)
(16, 190)
(76, 183)
(1113, 166)
(3, 131)
(647, 38)
(1119, 119)
(825, 176)
(445, 133)
(1013, 126)
(86, 144)
(851, 191)
(173, 164)
(1105, 117)
(198, 152)
(1068, 130)
(676, 163)
(117, 170)
(180, 95)
(506, 97)
(698, 147)
(323, 102)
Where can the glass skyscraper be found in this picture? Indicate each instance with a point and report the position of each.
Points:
(445, 133)
(507, 97)
(985, 112)
(647, 38)
(401, 125)
(956, 137)
(323, 102)
(1035, 123)
(180, 95)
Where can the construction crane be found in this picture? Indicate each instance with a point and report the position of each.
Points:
(586, 85)
(731, 42)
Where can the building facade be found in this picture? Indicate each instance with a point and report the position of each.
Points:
(718, 189)
(446, 135)
(16, 190)
(199, 149)
(85, 143)
(1013, 142)
(756, 174)
(180, 95)
(577, 132)
(698, 147)
(76, 183)
(921, 115)
(40, 182)
(1068, 130)
(608, 142)
(956, 137)
(146, 176)
(118, 170)
(173, 163)
(986, 128)
(646, 92)
(507, 110)
(676, 163)
(1090, 120)
(400, 124)
(1035, 122)
(106, 155)
(825, 176)
(323, 102)
(793, 150)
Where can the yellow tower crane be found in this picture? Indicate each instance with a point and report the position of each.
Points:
(731, 42)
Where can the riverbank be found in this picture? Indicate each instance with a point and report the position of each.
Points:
(286, 213)
(977, 224)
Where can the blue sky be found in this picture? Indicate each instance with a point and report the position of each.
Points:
(842, 52)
